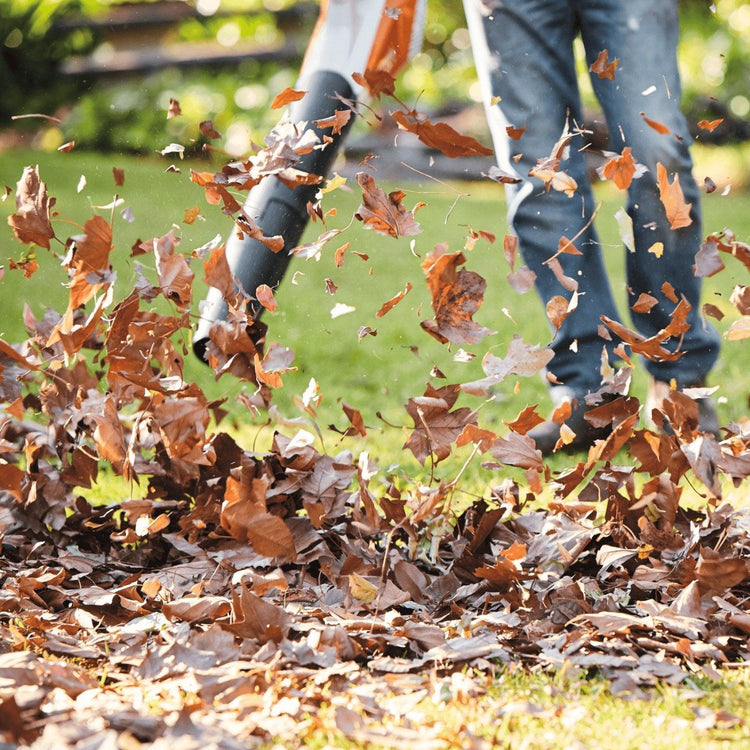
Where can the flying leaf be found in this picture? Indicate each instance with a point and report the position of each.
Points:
(739, 330)
(173, 110)
(386, 307)
(741, 299)
(436, 427)
(287, 96)
(522, 359)
(707, 260)
(656, 125)
(208, 130)
(383, 213)
(376, 82)
(456, 296)
(644, 303)
(337, 121)
(603, 67)
(673, 199)
(31, 222)
(515, 133)
(525, 421)
(440, 135)
(264, 295)
(620, 169)
(518, 450)
(710, 125)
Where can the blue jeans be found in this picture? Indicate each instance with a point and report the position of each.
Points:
(524, 55)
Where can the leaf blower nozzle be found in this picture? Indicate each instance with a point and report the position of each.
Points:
(278, 209)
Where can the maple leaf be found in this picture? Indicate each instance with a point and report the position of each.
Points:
(31, 222)
(440, 135)
(383, 213)
(456, 296)
(603, 67)
(673, 199)
(522, 359)
(436, 427)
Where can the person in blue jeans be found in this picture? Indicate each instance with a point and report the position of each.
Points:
(524, 56)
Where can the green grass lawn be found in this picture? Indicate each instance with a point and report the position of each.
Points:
(378, 373)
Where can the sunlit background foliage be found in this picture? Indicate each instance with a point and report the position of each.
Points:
(127, 115)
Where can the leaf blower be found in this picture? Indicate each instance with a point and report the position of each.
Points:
(349, 38)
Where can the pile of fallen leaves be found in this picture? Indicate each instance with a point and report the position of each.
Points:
(243, 590)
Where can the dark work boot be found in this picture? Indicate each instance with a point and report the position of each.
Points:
(708, 420)
(548, 436)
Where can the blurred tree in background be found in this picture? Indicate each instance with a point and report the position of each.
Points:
(127, 114)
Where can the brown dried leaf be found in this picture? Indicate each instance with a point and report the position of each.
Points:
(603, 67)
(620, 169)
(436, 427)
(31, 222)
(456, 296)
(287, 96)
(386, 307)
(440, 135)
(522, 359)
(383, 213)
(673, 199)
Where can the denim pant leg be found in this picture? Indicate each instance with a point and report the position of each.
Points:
(525, 63)
(643, 34)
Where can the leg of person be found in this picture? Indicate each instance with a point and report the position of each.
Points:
(643, 35)
(525, 63)
(350, 37)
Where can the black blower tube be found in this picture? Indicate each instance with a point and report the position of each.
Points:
(278, 209)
